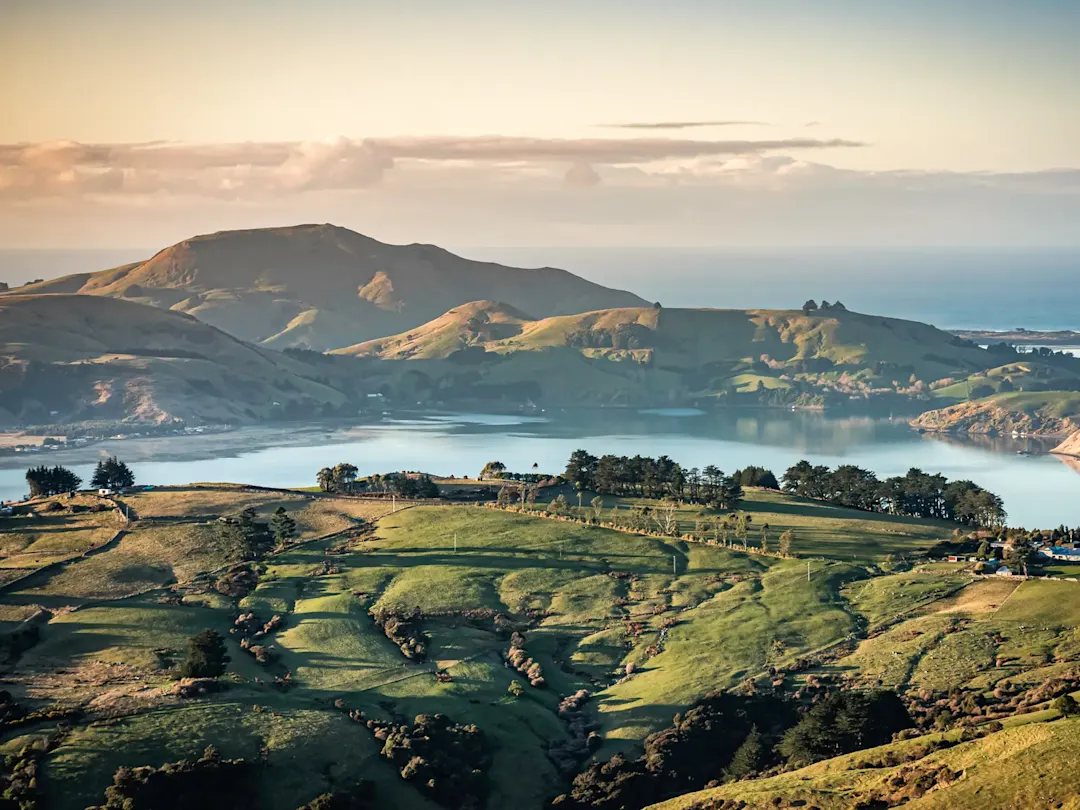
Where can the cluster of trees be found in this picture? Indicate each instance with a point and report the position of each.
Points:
(622, 336)
(405, 485)
(112, 474)
(340, 478)
(210, 783)
(728, 737)
(445, 760)
(205, 656)
(250, 538)
(917, 493)
(44, 481)
(645, 477)
(812, 306)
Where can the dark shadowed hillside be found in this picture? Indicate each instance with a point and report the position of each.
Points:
(73, 358)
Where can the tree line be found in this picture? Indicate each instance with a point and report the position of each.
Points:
(659, 478)
(343, 479)
(916, 494)
(110, 473)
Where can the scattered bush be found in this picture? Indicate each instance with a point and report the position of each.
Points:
(404, 631)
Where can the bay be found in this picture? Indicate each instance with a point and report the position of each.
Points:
(1038, 489)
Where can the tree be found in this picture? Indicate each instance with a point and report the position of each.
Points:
(597, 504)
(558, 506)
(282, 526)
(667, 518)
(325, 479)
(1067, 705)
(787, 541)
(345, 477)
(750, 757)
(205, 657)
(742, 526)
(809, 306)
(1018, 554)
(493, 469)
(764, 538)
(45, 481)
(580, 469)
(111, 473)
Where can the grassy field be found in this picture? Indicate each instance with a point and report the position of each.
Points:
(820, 529)
(647, 625)
(1025, 766)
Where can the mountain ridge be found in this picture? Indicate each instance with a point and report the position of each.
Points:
(322, 287)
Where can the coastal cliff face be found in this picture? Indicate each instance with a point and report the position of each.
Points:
(1069, 447)
(1050, 414)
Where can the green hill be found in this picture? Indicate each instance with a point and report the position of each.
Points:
(322, 287)
(588, 601)
(663, 355)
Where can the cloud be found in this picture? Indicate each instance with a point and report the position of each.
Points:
(682, 124)
(65, 168)
(812, 124)
(582, 175)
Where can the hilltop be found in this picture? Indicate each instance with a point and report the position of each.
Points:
(322, 287)
(71, 358)
(653, 354)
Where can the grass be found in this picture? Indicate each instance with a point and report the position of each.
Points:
(820, 529)
(1024, 766)
(689, 617)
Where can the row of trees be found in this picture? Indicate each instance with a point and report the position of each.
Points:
(917, 494)
(645, 477)
(44, 481)
(110, 473)
(342, 478)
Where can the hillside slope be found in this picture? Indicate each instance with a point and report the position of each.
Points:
(675, 354)
(1040, 413)
(1069, 447)
(323, 287)
(67, 358)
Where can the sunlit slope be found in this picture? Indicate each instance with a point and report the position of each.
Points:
(343, 286)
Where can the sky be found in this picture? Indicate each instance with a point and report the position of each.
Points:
(607, 122)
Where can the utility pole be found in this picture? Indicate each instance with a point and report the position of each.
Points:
(393, 503)
(807, 570)
(455, 542)
(674, 565)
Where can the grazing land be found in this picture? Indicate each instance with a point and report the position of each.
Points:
(638, 627)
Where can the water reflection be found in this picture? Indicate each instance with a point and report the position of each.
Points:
(1038, 489)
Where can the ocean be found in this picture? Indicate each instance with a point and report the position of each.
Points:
(948, 287)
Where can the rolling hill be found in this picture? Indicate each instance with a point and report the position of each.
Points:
(1039, 413)
(69, 358)
(322, 287)
(651, 354)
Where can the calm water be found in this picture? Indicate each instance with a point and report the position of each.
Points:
(1039, 490)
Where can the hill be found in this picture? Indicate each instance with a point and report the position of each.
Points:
(1038, 413)
(322, 287)
(622, 633)
(587, 600)
(1069, 447)
(650, 354)
(73, 358)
